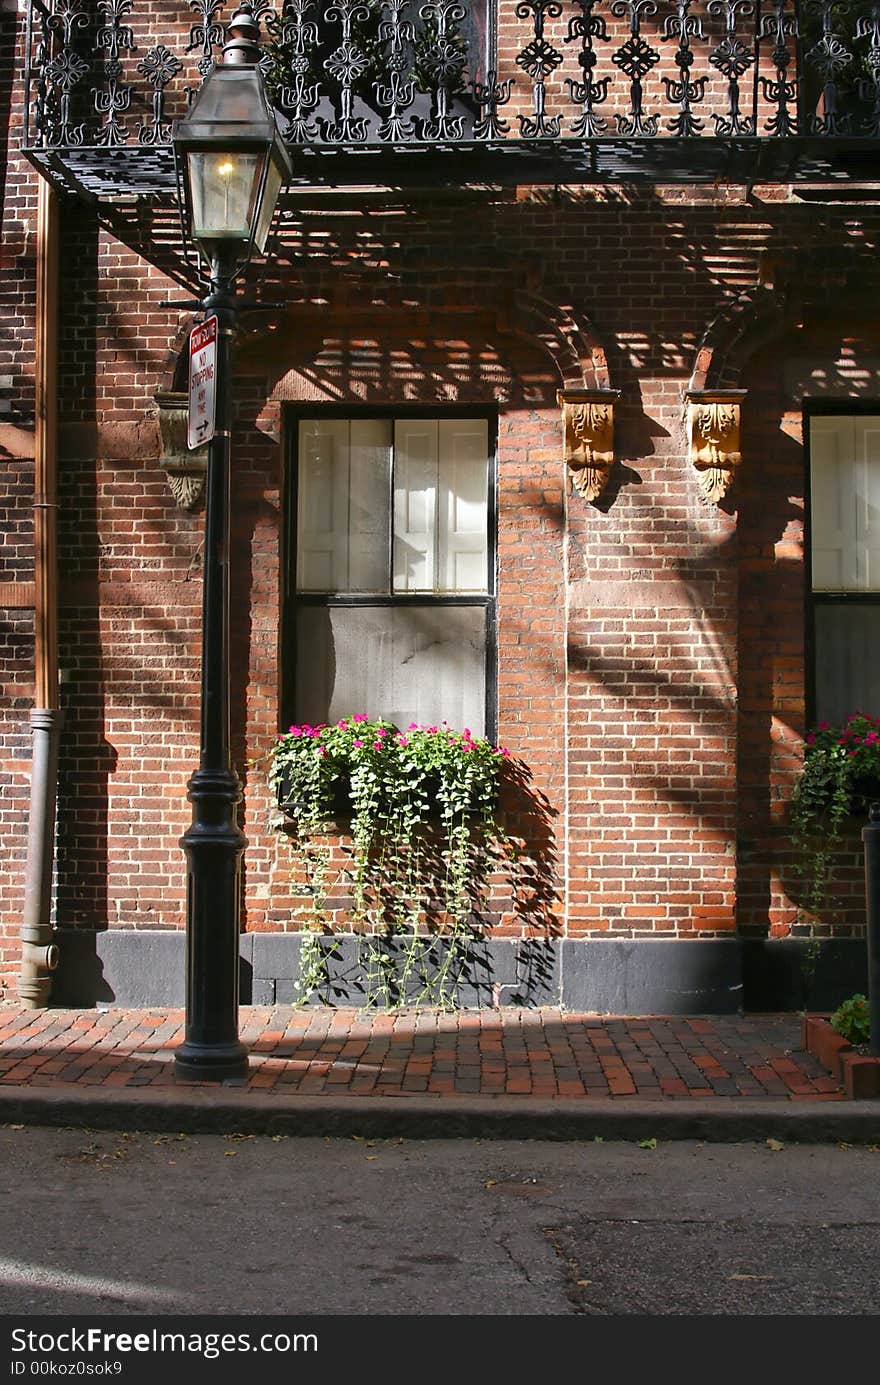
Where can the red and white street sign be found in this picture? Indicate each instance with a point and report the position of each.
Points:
(202, 383)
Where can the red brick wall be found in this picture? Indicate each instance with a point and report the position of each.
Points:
(650, 645)
(837, 358)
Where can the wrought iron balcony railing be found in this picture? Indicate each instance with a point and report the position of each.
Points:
(407, 93)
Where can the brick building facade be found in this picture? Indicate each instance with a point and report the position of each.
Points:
(653, 658)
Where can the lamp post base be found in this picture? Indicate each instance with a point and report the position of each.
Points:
(194, 1062)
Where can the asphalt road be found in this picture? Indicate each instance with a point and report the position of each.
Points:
(124, 1224)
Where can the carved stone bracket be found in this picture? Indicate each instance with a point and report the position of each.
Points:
(714, 439)
(588, 418)
(186, 470)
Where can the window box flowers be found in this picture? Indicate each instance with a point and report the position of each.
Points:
(839, 781)
(422, 805)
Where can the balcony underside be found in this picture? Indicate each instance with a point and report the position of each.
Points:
(104, 174)
(133, 190)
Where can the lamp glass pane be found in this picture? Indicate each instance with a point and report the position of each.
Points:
(223, 187)
(274, 178)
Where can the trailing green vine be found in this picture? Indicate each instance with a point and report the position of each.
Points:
(840, 778)
(422, 806)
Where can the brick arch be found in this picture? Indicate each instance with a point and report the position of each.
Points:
(740, 329)
(567, 336)
(809, 288)
(559, 332)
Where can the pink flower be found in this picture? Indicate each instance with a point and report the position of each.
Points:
(343, 724)
(361, 716)
(432, 730)
(357, 744)
(823, 725)
(413, 726)
(871, 738)
(504, 750)
(295, 731)
(381, 733)
(320, 750)
(377, 745)
(811, 738)
(402, 740)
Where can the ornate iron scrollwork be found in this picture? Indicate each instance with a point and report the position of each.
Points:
(444, 61)
(159, 67)
(869, 87)
(635, 58)
(65, 70)
(830, 57)
(207, 34)
(347, 64)
(590, 92)
(396, 94)
(540, 60)
(733, 58)
(392, 74)
(296, 36)
(687, 90)
(782, 90)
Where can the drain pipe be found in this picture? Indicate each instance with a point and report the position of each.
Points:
(39, 953)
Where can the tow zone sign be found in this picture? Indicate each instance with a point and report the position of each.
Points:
(202, 383)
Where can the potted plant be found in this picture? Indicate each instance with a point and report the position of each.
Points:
(841, 1044)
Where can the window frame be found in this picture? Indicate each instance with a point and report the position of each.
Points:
(291, 599)
(824, 408)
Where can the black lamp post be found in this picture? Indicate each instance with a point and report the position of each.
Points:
(231, 164)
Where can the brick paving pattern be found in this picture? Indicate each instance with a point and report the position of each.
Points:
(346, 1052)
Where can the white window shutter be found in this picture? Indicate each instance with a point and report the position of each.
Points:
(867, 490)
(322, 504)
(368, 504)
(415, 505)
(462, 505)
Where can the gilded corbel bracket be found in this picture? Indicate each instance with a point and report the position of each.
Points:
(186, 470)
(714, 439)
(588, 419)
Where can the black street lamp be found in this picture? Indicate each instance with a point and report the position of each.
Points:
(231, 164)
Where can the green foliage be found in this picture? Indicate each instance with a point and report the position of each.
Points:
(423, 809)
(852, 1020)
(840, 778)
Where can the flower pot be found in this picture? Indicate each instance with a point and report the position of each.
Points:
(858, 1073)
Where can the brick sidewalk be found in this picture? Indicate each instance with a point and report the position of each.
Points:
(540, 1053)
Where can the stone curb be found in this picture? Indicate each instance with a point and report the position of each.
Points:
(454, 1117)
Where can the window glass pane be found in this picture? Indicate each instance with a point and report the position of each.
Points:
(847, 668)
(867, 431)
(342, 505)
(845, 503)
(415, 505)
(441, 478)
(462, 511)
(408, 663)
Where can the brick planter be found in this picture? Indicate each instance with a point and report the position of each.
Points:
(857, 1073)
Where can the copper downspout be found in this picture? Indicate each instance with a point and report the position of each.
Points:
(39, 954)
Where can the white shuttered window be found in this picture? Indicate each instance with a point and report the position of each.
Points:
(394, 604)
(845, 563)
